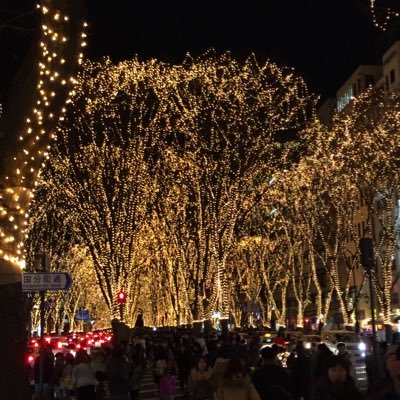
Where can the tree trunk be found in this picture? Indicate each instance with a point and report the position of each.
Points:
(14, 384)
(224, 325)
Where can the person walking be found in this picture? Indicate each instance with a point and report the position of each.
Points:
(44, 392)
(183, 362)
(301, 373)
(388, 388)
(138, 367)
(235, 384)
(336, 382)
(83, 381)
(200, 381)
(58, 369)
(271, 380)
(117, 372)
(348, 356)
(167, 386)
(66, 376)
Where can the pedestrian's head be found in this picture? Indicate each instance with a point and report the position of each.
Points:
(336, 369)
(69, 359)
(314, 347)
(324, 350)
(300, 349)
(268, 354)
(392, 361)
(201, 364)
(81, 357)
(49, 350)
(234, 369)
(341, 348)
(60, 357)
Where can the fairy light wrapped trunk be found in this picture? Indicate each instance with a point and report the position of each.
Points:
(29, 120)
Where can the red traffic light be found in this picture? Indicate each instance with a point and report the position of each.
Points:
(121, 297)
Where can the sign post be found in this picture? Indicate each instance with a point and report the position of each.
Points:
(42, 282)
(82, 315)
(41, 352)
(45, 281)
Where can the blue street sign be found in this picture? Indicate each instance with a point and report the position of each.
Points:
(82, 315)
(43, 281)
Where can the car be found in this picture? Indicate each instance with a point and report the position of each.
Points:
(266, 337)
(351, 339)
(309, 339)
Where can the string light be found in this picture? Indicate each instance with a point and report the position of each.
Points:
(208, 128)
(54, 28)
(244, 105)
(383, 15)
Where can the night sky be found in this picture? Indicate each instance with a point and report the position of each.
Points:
(324, 40)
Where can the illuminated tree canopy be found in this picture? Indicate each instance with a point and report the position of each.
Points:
(212, 125)
(210, 186)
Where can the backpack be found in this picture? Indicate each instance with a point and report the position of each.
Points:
(167, 385)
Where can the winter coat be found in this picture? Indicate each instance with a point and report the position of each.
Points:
(48, 368)
(82, 375)
(135, 377)
(325, 390)
(117, 371)
(237, 389)
(386, 391)
(301, 376)
(167, 385)
(201, 384)
(270, 378)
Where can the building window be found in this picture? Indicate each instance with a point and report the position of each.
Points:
(369, 80)
(345, 99)
(392, 76)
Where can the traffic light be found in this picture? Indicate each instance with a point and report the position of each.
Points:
(121, 297)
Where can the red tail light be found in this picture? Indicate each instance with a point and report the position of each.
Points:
(59, 345)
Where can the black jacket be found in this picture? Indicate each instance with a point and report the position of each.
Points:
(325, 390)
(272, 380)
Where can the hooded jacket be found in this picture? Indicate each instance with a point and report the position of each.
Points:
(237, 389)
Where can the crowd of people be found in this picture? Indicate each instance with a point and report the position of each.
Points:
(217, 367)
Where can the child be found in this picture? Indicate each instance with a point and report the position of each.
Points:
(167, 386)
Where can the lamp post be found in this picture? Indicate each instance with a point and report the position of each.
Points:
(367, 253)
